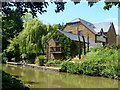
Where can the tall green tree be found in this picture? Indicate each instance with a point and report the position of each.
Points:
(31, 39)
(12, 24)
(27, 17)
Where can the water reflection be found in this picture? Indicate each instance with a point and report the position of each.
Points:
(37, 78)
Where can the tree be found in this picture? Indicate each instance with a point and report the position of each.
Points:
(32, 38)
(12, 51)
(84, 45)
(88, 43)
(79, 43)
(34, 7)
(27, 17)
(30, 41)
(11, 26)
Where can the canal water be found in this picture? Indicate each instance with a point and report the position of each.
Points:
(37, 78)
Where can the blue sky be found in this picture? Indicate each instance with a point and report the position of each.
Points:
(94, 14)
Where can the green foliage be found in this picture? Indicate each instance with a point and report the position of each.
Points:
(27, 17)
(33, 39)
(54, 62)
(23, 56)
(4, 57)
(108, 5)
(30, 41)
(102, 62)
(28, 62)
(9, 82)
(39, 60)
(11, 25)
(67, 43)
(12, 50)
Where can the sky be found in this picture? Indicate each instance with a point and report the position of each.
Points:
(94, 14)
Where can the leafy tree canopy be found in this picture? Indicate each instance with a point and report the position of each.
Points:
(31, 40)
(12, 24)
(34, 7)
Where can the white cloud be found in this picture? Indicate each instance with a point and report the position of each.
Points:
(111, 19)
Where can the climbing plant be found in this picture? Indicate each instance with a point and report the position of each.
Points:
(68, 45)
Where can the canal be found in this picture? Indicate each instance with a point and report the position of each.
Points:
(37, 78)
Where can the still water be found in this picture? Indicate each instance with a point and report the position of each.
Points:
(37, 78)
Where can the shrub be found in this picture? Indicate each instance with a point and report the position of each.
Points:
(65, 65)
(23, 56)
(54, 62)
(4, 57)
(13, 59)
(39, 60)
(103, 62)
(29, 62)
(71, 67)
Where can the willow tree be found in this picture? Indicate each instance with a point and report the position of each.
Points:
(31, 39)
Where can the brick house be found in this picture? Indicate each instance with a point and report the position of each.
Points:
(99, 34)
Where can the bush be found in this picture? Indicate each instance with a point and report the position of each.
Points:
(23, 56)
(103, 62)
(54, 62)
(39, 60)
(29, 62)
(4, 57)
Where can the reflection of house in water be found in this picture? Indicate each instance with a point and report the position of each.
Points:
(99, 34)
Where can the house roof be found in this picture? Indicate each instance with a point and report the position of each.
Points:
(94, 27)
(73, 37)
(105, 26)
(87, 24)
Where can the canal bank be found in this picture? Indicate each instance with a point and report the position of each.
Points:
(41, 78)
(59, 69)
(35, 66)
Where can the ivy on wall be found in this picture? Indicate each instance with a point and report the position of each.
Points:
(69, 46)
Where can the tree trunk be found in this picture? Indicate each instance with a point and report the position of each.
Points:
(84, 45)
(79, 44)
(88, 43)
